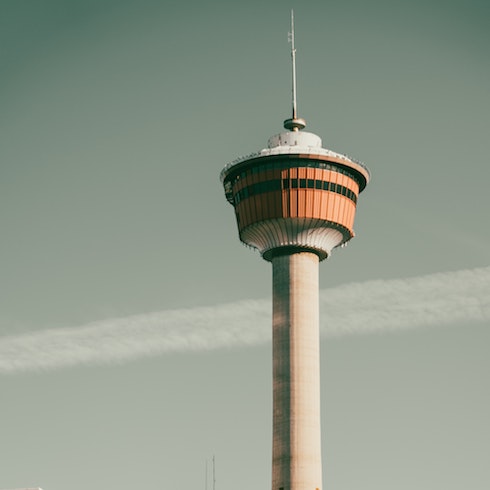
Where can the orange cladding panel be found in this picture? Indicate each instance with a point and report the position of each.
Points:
(347, 208)
(324, 203)
(293, 203)
(351, 214)
(342, 210)
(317, 197)
(301, 203)
(337, 209)
(330, 214)
(309, 202)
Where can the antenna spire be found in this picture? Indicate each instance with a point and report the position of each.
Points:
(295, 123)
(293, 61)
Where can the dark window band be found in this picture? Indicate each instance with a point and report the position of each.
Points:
(292, 163)
(277, 185)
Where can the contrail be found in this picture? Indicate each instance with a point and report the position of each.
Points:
(358, 308)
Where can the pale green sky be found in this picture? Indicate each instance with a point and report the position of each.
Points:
(116, 119)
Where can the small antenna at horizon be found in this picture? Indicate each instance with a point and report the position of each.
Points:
(295, 123)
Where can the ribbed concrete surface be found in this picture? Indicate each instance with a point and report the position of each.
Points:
(299, 232)
(296, 463)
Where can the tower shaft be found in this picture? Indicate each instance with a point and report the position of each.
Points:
(296, 459)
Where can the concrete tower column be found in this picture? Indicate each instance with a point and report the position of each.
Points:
(296, 458)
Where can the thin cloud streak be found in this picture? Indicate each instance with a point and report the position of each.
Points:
(358, 308)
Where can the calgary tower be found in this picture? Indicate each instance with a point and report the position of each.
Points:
(294, 202)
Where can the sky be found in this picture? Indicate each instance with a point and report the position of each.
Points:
(116, 120)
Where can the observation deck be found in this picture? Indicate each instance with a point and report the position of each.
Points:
(294, 195)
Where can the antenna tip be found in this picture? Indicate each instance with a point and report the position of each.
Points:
(295, 124)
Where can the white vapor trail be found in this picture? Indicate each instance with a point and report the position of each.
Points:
(358, 308)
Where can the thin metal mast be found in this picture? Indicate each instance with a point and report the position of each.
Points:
(214, 475)
(295, 123)
(293, 60)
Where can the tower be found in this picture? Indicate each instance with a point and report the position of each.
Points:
(294, 202)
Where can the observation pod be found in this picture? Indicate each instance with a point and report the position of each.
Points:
(294, 195)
